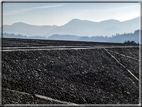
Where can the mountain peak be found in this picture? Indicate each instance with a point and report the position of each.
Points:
(25, 24)
(109, 20)
(79, 22)
(75, 19)
(19, 24)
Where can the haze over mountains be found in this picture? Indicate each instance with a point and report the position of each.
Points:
(75, 27)
(119, 38)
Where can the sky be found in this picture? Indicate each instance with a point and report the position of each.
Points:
(61, 13)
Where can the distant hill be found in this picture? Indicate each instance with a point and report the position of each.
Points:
(75, 27)
(63, 37)
(118, 38)
(6, 35)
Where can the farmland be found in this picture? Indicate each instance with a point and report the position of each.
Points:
(67, 72)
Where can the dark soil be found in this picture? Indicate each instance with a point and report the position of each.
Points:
(89, 76)
(11, 42)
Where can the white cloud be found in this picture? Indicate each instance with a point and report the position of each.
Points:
(17, 11)
(29, 9)
(43, 7)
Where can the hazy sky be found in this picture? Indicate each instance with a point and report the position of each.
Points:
(61, 13)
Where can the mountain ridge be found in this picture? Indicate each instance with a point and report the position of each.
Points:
(75, 27)
(74, 19)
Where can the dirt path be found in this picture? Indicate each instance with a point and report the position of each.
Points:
(121, 64)
(5, 49)
(43, 97)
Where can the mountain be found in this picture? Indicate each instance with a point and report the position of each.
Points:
(26, 29)
(75, 27)
(89, 28)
